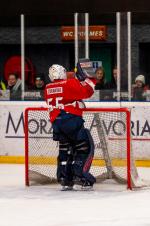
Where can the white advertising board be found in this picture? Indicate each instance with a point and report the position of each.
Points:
(12, 126)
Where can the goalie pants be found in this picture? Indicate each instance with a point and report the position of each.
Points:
(76, 148)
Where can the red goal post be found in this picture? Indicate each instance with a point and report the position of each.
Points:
(110, 129)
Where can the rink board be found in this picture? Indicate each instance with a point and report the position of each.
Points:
(12, 129)
(53, 161)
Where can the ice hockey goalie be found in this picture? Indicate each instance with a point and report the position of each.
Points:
(76, 149)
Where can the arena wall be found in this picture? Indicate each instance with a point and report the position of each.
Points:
(12, 128)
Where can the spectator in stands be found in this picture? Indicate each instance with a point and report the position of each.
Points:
(109, 88)
(14, 85)
(39, 85)
(39, 82)
(100, 77)
(139, 88)
(115, 75)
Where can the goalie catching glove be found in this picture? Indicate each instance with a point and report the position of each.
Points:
(85, 70)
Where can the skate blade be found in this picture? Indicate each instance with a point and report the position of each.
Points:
(66, 188)
(82, 188)
(88, 188)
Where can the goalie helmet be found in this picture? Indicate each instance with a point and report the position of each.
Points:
(57, 72)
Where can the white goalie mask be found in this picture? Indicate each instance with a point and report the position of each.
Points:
(57, 72)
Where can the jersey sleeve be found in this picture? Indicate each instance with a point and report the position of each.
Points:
(80, 90)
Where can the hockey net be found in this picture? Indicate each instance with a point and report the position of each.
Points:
(110, 129)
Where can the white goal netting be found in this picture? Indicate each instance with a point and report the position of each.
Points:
(110, 129)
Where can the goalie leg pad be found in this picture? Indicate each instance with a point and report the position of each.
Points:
(84, 152)
(64, 164)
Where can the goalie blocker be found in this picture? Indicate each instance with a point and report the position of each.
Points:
(85, 70)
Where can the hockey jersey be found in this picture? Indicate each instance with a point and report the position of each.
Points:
(68, 95)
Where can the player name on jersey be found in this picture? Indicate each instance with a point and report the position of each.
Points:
(55, 90)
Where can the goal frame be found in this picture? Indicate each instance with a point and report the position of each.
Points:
(128, 135)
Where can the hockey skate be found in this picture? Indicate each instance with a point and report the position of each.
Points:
(87, 186)
(82, 184)
(66, 185)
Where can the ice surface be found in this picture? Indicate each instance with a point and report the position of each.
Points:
(108, 205)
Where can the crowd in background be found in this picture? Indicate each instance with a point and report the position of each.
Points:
(13, 88)
(107, 90)
(139, 90)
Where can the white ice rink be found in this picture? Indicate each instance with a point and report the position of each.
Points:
(107, 205)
